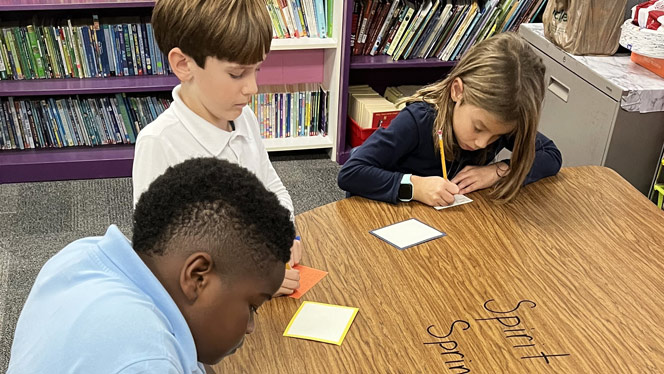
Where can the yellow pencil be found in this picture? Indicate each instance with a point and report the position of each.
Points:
(442, 152)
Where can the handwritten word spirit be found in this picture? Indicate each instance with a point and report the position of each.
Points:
(512, 327)
(512, 322)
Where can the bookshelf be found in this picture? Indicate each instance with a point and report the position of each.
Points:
(438, 32)
(377, 71)
(291, 61)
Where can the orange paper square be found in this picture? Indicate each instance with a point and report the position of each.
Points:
(308, 278)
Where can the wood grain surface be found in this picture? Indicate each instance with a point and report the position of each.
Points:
(569, 278)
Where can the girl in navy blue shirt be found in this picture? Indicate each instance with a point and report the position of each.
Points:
(490, 101)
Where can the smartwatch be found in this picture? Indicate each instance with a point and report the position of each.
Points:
(406, 188)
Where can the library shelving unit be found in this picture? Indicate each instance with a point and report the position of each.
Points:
(379, 72)
(291, 61)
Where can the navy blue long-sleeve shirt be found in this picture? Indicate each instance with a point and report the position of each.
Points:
(406, 146)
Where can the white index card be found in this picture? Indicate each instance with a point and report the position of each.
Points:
(321, 322)
(458, 200)
(407, 233)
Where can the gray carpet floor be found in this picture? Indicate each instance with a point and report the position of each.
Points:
(39, 219)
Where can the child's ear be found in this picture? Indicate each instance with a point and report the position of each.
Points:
(195, 275)
(180, 64)
(456, 93)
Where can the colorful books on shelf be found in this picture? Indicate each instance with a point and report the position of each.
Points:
(291, 111)
(80, 49)
(75, 121)
(301, 18)
(368, 109)
(444, 29)
(55, 122)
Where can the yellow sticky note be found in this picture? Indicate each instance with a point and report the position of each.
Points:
(325, 323)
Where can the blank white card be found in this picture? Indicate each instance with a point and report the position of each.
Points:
(321, 322)
(458, 200)
(407, 233)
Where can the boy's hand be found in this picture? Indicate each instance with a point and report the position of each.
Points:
(473, 178)
(290, 284)
(433, 191)
(295, 253)
(292, 276)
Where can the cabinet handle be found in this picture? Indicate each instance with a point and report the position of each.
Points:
(558, 88)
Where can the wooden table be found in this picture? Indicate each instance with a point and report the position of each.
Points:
(569, 278)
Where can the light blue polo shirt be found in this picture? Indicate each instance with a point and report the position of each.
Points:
(95, 307)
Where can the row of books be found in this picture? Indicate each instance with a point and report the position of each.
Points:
(26, 123)
(301, 18)
(444, 29)
(368, 109)
(397, 93)
(286, 111)
(74, 121)
(97, 50)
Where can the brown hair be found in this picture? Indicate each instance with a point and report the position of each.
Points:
(238, 31)
(505, 77)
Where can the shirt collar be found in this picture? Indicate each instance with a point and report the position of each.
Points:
(212, 138)
(117, 248)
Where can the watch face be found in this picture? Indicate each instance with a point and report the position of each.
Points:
(406, 191)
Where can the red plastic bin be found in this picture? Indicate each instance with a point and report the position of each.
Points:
(358, 135)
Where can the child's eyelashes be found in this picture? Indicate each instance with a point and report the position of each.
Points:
(235, 76)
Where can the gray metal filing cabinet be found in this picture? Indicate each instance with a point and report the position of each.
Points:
(601, 110)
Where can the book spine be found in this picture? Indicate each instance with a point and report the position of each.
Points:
(145, 49)
(11, 128)
(6, 143)
(5, 67)
(49, 54)
(128, 52)
(138, 55)
(25, 54)
(56, 123)
(9, 37)
(122, 109)
(35, 54)
(400, 31)
(48, 123)
(101, 46)
(37, 138)
(135, 51)
(86, 51)
(109, 46)
(78, 130)
(22, 120)
(321, 20)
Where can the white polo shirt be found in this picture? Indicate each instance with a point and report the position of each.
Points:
(179, 134)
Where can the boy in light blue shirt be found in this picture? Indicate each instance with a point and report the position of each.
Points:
(209, 247)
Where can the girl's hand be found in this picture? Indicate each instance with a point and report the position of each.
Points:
(433, 191)
(473, 178)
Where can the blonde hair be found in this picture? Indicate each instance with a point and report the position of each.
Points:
(238, 31)
(505, 77)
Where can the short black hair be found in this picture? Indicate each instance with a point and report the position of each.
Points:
(213, 204)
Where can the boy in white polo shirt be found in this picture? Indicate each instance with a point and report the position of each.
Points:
(215, 48)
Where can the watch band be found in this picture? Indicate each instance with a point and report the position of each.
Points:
(406, 184)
